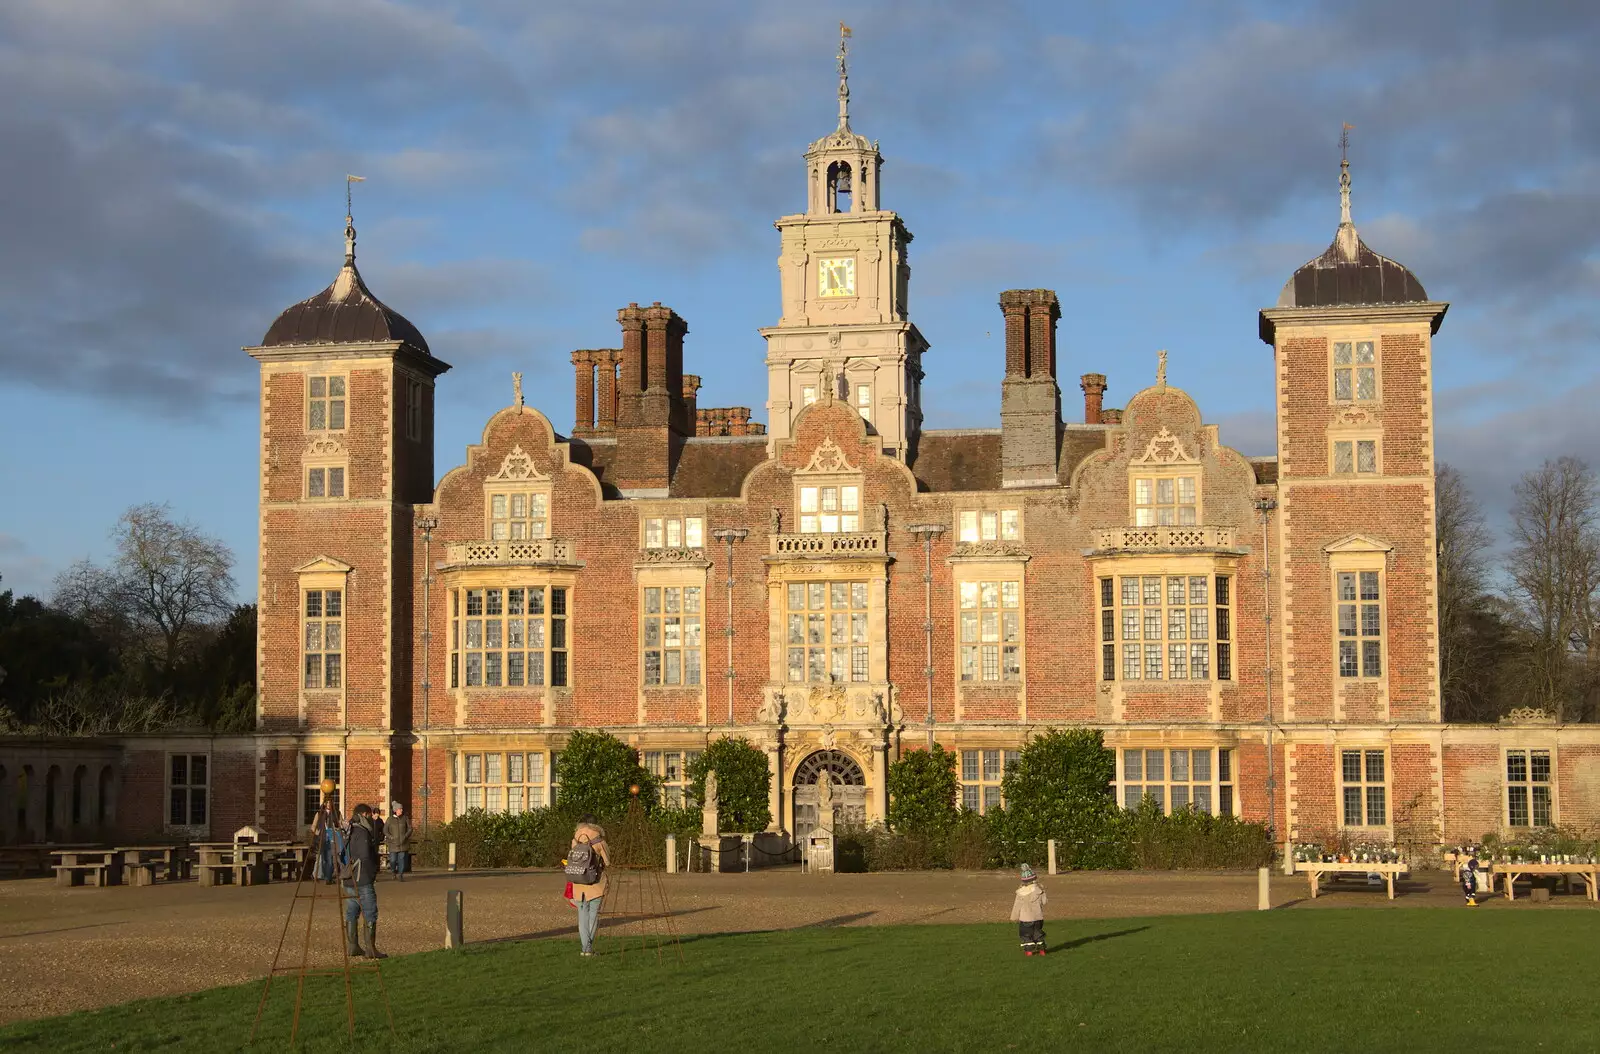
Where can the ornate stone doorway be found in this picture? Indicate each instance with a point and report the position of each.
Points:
(849, 791)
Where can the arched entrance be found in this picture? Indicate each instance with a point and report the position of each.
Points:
(849, 791)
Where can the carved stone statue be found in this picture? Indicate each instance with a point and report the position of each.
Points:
(1161, 369)
(516, 388)
(825, 801)
(708, 807)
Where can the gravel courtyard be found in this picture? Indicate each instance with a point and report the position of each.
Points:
(72, 949)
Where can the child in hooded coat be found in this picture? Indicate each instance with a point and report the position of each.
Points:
(1027, 911)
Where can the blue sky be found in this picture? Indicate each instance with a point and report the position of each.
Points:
(174, 176)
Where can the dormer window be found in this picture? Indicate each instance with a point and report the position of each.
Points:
(1164, 500)
(830, 509)
(1355, 371)
(516, 516)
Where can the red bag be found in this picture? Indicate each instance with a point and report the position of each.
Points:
(568, 893)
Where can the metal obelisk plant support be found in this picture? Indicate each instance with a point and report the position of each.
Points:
(305, 966)
(636, 897)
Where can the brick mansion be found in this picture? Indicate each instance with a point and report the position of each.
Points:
(841, 583)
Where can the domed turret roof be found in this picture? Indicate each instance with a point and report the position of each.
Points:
(1349, 273)
(344, 313)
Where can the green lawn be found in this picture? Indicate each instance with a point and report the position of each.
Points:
(1335, 980)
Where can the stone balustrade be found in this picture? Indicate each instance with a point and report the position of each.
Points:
(521, 551)
(1165, 538)
(855, 543)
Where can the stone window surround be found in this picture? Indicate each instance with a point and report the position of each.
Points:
(1213, 567)
(1222, 756)
(996, 504)
(452, 582)
(1385, 829)
(1351, 335)
(1155, 473)
(830, 479)
(327, 379)
(325, 453)
(781, 574)
(1375, 436)
(1000, 569)
(987, 788)
(1549, 747)
(493, 488)
(322, 573)
(681, 511)
(319, 749)
(1357, 554)
(167, 825)
(459, 769)
(674, 578)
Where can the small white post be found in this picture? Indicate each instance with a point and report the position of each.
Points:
(1264, 889)
(748, 844)
(1051, 846)
(672, 854)
(452, 856)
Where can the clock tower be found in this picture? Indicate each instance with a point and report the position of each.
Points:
(845, 332)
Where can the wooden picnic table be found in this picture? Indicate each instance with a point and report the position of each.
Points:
(97, 867)
(1590, 873)
(246, 863)
(1315, 869)
(144, 861)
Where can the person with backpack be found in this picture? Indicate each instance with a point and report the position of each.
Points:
(1027, 911)
(358, 874)
(587, 860)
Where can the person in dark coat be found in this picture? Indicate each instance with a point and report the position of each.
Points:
(359, 873)
(397, 836)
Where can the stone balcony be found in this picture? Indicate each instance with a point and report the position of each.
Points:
(530, 552)
(828, 546)
(1167, 539)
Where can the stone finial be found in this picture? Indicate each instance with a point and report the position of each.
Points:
(1161, 369)
(516, 389)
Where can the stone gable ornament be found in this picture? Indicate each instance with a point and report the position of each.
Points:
(828, 458)
(1161, 369)
(1165, 448)
(518, 465)
(516, 389)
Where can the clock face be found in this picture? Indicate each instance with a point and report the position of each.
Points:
(836, 276)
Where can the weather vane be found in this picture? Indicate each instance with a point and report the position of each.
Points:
(1344, 141)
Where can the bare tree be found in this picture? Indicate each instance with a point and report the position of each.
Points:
(168, 579)
(1463, 542)
(1554, 568)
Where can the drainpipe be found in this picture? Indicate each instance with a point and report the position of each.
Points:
(1265, 506)
(730, 535)
(427, 525)
(928, 532)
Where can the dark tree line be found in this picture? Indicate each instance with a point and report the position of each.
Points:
(152, 641)
(1517, 629)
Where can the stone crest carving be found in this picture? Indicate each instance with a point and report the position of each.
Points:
(828, 458)
(1165, 448)
(1529, 715)
(826, 703)
(993, 550)
(325, 446)
(1354, 417)
(678, 555)
(518, 466)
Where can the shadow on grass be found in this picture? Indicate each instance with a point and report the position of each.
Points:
(1067, 946)
(62, 929)
(606, 922)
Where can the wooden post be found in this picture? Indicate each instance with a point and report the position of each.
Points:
(1263, 889)
(672, 854)
(452, 918)
(1050, 851)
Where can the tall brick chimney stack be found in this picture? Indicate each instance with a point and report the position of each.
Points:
(630, 385)
(1094, 390)
(691, 400)
(583, 363)
(662, 402)
(607, 360)
(1030, 399)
